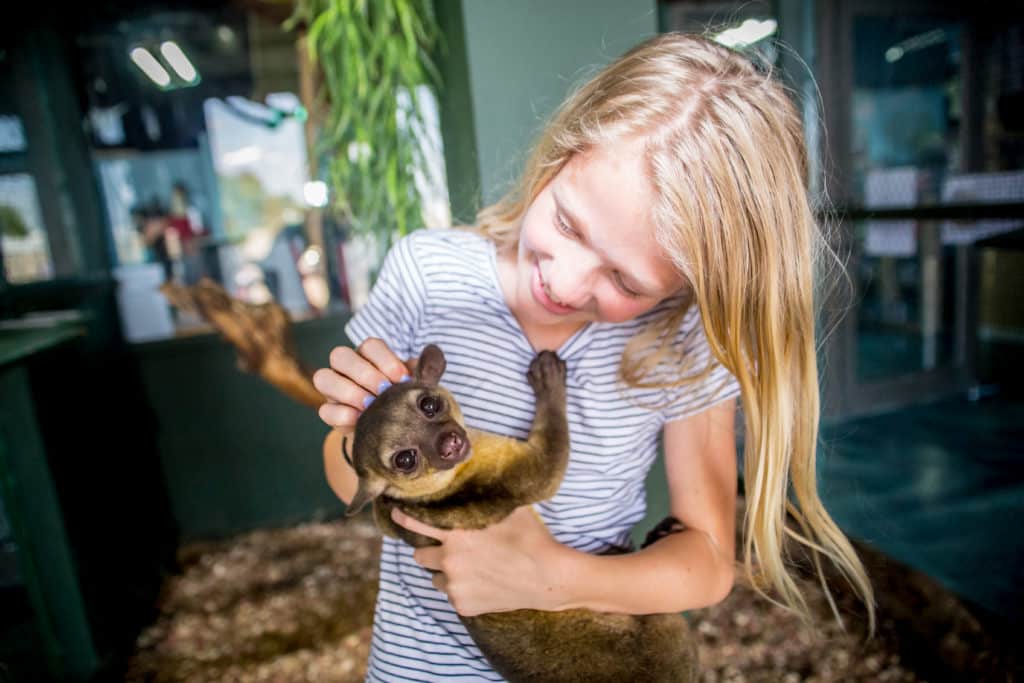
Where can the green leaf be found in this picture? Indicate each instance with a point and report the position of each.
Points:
(405, 18)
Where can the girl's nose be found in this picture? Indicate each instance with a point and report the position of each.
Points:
(572, 277)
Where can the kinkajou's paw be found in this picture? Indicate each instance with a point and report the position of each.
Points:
(547, 372)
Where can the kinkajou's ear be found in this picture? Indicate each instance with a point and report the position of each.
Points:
(370, 487)
(431, 365)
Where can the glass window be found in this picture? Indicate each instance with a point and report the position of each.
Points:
(259, 157)
(935, 114)
(906, 139)
(24, 242)
(198, 142)
(938, 115)
(25, 246)
(907, 114)
(906, 315)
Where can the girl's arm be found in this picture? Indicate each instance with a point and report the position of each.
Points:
(516, 564)
(683, 571)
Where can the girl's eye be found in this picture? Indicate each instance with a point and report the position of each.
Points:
(564, 227)
(624, 288)
(430, 405)
(405, 461)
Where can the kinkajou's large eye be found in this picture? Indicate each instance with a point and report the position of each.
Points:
(430, 405)
(405, 461)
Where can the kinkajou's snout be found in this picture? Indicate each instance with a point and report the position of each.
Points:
(452, 447)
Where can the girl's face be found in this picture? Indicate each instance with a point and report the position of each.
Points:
(587, 250)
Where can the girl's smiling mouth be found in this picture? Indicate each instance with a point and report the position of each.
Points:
(540, 294)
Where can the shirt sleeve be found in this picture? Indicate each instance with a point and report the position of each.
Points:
(397, 300)
(714, 383)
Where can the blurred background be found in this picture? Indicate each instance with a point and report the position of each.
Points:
(143, 143)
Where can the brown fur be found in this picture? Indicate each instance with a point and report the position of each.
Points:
(483, 486)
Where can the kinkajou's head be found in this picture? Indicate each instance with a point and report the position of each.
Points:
(411, 439)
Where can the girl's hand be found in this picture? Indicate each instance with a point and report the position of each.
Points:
(355, 378)
(508, 566)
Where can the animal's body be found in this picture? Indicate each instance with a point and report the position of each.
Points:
(412, 451)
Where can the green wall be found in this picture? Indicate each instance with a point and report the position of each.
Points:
(519, 59)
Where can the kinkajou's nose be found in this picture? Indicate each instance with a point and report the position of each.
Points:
(451, 445)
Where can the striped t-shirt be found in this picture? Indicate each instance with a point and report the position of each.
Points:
(441, 287)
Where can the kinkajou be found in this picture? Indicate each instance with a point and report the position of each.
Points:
(412, 450)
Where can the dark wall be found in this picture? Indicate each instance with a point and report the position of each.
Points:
(236, 453)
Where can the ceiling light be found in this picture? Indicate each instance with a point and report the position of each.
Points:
(144, 59)
(914, 43)
(178, 61)
(894, 54)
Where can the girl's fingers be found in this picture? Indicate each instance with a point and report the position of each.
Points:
(428, 558)
(349, 363)
(340, 416)
(339, 389)
(355, 377)
(416, 526)
(385, 360)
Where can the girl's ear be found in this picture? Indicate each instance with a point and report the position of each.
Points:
(431, 365)
(370, 487)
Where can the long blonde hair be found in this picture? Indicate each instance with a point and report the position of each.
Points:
(724, 150)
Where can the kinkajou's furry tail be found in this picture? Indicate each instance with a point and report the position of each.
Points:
(666, 527)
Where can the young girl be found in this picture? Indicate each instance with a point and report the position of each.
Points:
(662, 242)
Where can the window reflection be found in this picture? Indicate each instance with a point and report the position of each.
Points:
(25, 246)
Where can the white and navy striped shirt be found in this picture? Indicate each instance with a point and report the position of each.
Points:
(441, 287)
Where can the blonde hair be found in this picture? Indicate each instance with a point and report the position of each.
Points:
(724, 149)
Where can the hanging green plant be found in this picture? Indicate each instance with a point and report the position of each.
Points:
(373, 55)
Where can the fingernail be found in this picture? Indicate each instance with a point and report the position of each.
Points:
(405, 378)
(395, 514)
(383, 385)
(368, 400)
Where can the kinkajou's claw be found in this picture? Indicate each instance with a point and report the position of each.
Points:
(546, 372)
